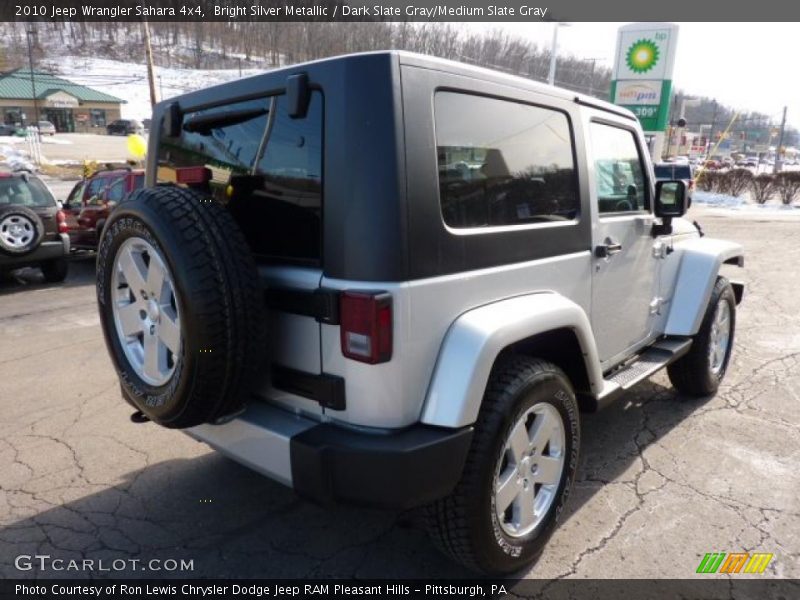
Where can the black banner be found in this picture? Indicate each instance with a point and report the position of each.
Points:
(567, 589)
(394, 10)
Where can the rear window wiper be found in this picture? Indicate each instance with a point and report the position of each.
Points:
(203, 124)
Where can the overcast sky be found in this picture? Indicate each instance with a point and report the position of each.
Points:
(744, 65)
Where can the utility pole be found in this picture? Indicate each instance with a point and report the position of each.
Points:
(148, 50)
(778, 161)
(240, 66)
(711, 134)
(591, 73)
(29, 33)
(551, 75)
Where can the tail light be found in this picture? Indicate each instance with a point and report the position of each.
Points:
(61, 219)
(192, 175)
(691, 184)
(366, 326)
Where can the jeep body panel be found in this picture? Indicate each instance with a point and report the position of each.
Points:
(477, 337)
(700, 262)
(393, 394)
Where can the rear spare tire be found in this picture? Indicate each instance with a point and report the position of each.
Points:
(180, 306)
(21, 230)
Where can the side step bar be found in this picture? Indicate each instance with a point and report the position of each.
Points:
(653, 359)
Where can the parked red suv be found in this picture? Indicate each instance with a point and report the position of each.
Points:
(91, 200)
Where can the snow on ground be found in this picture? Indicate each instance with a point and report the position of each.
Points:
(128, 80)
(14, 159)
(743, 205)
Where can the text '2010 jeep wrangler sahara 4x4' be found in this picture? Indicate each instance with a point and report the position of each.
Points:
(394, 280)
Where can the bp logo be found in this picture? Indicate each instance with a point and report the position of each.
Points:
(642, 56)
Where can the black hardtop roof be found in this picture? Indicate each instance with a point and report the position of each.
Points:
(444, 65)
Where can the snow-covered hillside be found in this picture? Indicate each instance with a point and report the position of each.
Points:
(128, 80)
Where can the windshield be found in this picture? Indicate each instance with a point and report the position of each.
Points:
(17, 191)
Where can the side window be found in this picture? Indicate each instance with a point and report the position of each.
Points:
(116, 190)
(502, 162)
(94, 190)
(619, 176)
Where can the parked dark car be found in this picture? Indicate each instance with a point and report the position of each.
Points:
(33, 230)
(8, 129)
(124, 127)
(675, 171)
(91, 201)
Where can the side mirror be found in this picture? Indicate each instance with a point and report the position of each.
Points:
(671, 201)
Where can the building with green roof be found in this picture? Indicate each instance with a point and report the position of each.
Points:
(46, 97)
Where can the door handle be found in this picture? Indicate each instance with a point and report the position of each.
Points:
(609, 248)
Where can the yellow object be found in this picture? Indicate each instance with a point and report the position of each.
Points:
(137, 146)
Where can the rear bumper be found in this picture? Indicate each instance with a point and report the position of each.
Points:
(327, 463)
(44, 252)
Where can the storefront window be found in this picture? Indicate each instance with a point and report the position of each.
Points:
(97, 117)
(12, 115)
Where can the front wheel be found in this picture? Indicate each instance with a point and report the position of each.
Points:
(701, 370)
(518, 473)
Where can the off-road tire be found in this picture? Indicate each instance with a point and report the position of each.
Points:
(38, 235)
(55, 271)
(218, 295)
(691, 374)
(463, 525)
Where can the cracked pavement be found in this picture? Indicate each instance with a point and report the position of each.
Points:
(663, 479)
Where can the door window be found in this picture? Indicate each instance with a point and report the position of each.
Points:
(618, 172)
(94, 190)
(116, 190)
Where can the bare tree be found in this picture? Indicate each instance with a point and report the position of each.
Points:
(762, 187)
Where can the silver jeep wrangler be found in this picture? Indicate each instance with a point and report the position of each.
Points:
(395, 280)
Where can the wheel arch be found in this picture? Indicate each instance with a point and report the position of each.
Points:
(700, 263)
(545, 325)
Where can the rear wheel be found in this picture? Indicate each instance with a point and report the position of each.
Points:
(519, 470)
(55, 271)
(180, 306)
(701, 370)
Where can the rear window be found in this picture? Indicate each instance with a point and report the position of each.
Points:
(503, 162)
(267, 169)
(17, 191)
(673, 171)
(663, 172)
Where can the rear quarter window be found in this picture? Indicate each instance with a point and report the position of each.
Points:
(502, 162)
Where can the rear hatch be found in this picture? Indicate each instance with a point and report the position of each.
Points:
(266, 168)
(28, 191)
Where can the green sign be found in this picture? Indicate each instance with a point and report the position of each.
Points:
(642, 75)
(653, 117)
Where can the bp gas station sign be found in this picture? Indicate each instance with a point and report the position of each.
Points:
(642, 74)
